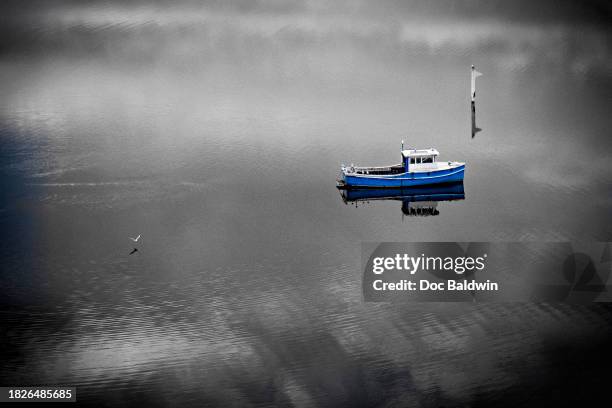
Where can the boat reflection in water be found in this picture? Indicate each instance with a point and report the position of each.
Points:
(416, 201)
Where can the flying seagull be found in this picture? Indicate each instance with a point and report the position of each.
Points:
(135, 239)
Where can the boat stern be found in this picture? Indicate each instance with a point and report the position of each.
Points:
(341, 179)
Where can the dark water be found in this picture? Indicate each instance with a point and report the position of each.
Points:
(217, 132)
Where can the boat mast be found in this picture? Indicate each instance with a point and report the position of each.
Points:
(405, 160)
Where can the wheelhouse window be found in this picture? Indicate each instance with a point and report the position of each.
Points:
(422, 160)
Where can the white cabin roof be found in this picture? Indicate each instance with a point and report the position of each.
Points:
(419, 152)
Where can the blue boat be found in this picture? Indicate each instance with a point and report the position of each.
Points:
(418, 168)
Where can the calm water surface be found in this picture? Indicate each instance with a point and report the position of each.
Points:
(217, 134)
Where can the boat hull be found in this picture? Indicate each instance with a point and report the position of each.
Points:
(411, 179)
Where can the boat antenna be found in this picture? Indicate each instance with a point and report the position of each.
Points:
(402, 144)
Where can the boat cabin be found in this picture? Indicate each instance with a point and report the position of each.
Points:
(416, 158)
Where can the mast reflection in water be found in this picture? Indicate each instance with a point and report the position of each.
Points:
(416, 201)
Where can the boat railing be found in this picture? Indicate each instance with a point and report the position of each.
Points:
(377, 170)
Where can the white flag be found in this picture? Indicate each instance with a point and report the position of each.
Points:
(477, 74)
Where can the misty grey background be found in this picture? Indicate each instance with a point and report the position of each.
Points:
(216, 131)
